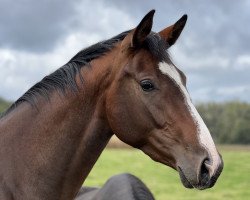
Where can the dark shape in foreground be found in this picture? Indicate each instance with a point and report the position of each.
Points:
(119, 187)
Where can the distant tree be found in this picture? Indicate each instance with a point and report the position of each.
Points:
(228, 122)
(4, 105)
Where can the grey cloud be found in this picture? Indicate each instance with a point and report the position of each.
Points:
(214, 26)
(219, 84)
(34, 25)
(39, 26)
(216, 36)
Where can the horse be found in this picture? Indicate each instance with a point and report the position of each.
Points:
(128, 85)
(119, 187)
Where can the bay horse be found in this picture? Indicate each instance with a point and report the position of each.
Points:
(128, 86)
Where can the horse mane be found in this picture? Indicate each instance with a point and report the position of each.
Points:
(64, 77)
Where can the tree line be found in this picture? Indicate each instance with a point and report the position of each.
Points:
(4, 105)
(228, 122)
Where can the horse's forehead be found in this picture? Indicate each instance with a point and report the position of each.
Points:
(170, 71)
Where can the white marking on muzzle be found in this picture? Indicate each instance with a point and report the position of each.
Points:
(203, 132)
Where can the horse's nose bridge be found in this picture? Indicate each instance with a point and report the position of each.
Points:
(213, 158)
(188, 134)
(205, 140)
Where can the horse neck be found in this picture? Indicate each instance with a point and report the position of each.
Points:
(56, 146)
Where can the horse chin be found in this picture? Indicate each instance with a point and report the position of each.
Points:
(188, 185)
(184, 180)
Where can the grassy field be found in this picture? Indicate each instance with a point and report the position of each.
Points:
(164, 182)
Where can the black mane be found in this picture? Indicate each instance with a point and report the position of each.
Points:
(64, 77)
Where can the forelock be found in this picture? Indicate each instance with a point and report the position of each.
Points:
(158, 47)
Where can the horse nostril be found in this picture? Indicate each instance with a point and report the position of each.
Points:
(204, 172)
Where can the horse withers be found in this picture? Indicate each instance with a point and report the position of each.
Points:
(128, 86)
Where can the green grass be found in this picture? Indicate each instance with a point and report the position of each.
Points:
(164, 182)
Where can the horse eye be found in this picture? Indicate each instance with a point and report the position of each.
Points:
(147, 85)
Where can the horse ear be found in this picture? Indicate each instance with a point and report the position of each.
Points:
(143, 29)
(171, 33)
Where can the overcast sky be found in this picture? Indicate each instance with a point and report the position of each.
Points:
(37, 37)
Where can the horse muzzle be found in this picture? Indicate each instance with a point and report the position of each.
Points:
(201, 177)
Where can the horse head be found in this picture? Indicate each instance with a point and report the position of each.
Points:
(148, 106)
